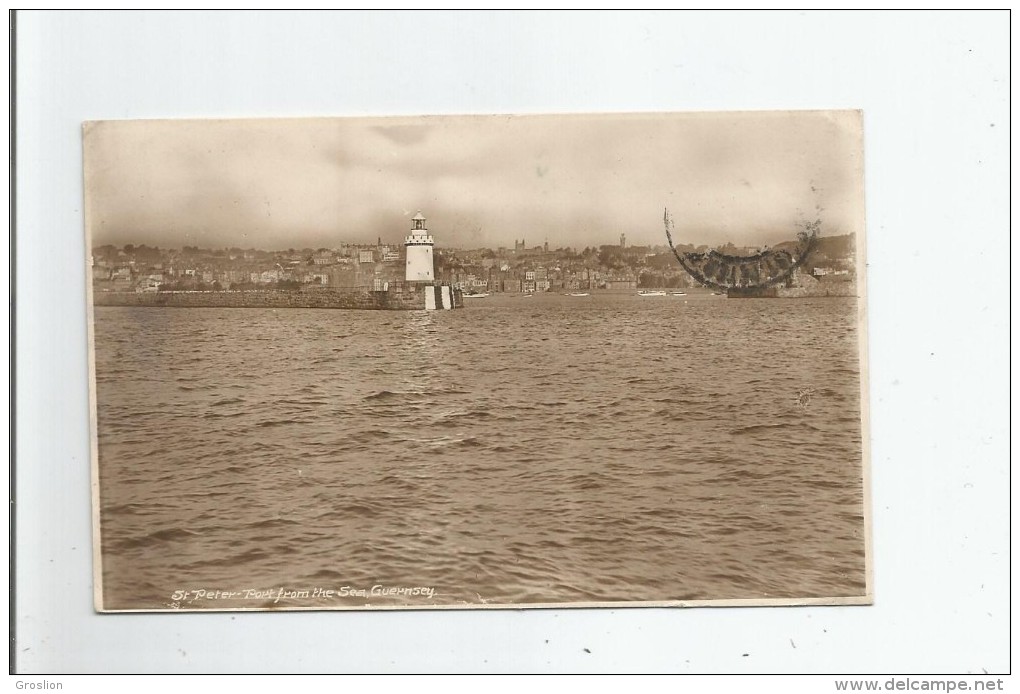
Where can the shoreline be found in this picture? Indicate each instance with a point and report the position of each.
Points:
(405, 298)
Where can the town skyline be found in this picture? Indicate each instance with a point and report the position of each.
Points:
(482, 181)
(541, 268)
(524, 245)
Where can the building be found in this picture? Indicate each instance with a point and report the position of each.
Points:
(621, 282)
(420, 266)
(542, 283)
(342, 276)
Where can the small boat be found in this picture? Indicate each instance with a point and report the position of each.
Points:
(476, 296)
(580, 294)
(679, 293)
(651, 293)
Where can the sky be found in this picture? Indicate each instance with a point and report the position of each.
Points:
(748, 178)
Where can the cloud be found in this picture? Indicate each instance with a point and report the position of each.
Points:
(574, 180)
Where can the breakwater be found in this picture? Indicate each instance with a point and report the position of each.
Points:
(400, 298)
(843, 290)
(806, 288)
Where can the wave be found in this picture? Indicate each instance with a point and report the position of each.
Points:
(327, 575)
(366, 436)
(281, 422)
(133, 509)
(355, 510)
(252, 555)
(166, 535)
(756, 428)
(272, 524)
(390, 395)
(222, 415)
(227, 401)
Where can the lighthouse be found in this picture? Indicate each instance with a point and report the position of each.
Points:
(419, 243)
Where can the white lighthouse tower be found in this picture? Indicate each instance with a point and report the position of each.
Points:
(420, 267)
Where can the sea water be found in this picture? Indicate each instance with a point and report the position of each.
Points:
(551, 450)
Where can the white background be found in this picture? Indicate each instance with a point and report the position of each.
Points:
(934, 89)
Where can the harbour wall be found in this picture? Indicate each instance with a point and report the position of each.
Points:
(807, 287)
(406, 298)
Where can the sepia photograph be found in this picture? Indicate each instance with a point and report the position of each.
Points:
(492, 361)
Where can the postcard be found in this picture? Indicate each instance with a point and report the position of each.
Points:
(493, 361)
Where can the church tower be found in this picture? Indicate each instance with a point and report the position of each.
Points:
(420, 266)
